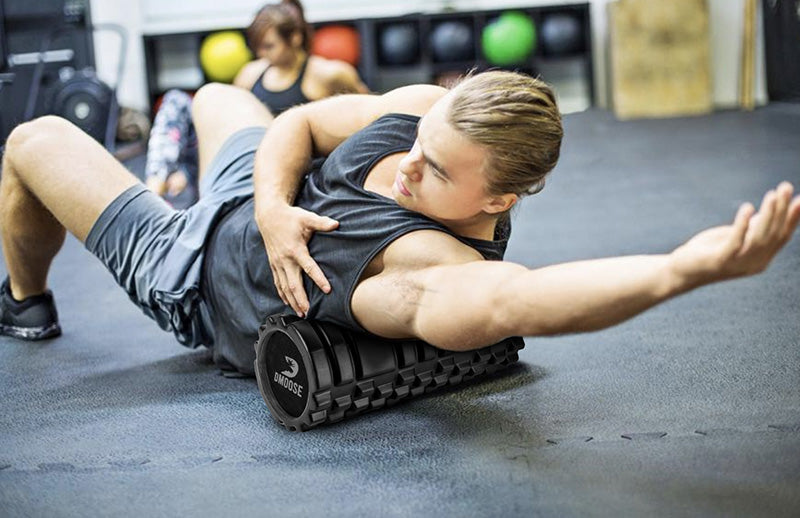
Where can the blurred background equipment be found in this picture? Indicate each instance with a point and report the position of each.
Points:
(660, 58)
(509, 39)
(399, 44)
(25, 26)
(452, 41)
(394, 45)
(747, 72)
(80, 96)
(223, 54)
(560, 34)
(337, 42)
(782, 46)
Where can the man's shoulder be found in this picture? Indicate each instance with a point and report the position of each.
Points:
(426, 248)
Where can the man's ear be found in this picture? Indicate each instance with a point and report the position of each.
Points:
(500, 204)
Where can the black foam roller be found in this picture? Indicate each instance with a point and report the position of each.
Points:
(312, 373)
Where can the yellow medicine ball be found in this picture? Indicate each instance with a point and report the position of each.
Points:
(223, 54)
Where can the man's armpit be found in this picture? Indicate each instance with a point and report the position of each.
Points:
(387, 304)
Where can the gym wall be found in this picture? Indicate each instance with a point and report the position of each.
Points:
(149, 17)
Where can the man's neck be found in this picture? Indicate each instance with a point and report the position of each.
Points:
(480, 227)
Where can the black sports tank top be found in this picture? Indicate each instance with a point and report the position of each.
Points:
(280, 101)
(242, 290)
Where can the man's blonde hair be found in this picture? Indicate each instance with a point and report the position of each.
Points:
(516, 118)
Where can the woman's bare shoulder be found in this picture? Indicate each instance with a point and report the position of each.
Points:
(249, 73)
(336, 76)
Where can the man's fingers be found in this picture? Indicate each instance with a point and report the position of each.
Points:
(313, 270)
(297, 293)
(792, 218)
(288, 291)
(782, 199)
(740, 225)
(323, 224)
(284, 288)
(282, 284)
(760, 227)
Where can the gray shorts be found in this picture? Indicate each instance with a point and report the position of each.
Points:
(156, 252)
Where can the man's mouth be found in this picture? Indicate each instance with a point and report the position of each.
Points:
(401, 187)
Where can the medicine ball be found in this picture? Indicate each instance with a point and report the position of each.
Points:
(223, 54)
(399, 44)
(561, 34)
(337, 42)
(510, 39)
(452, 41)
(81, 98)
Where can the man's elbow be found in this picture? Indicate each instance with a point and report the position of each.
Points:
(488, 326)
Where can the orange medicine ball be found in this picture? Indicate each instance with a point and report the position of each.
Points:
(337, 42)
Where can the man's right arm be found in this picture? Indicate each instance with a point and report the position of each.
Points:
(283, 157)
(317, 128)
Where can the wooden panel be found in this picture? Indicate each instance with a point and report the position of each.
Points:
(660, 58)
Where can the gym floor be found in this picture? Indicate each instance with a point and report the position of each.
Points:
(692, 409)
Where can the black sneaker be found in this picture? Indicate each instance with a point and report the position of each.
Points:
(34, 318)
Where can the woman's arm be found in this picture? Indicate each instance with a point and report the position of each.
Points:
(342, 78)
(250, 73)
(471, 305)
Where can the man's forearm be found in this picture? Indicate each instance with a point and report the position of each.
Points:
(590, 295)
(282, 159)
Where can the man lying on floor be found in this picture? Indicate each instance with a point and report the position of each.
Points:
(407, 217)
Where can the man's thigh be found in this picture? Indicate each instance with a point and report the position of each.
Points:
(219, 111)
(73, 176)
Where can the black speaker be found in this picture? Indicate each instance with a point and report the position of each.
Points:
(63, 26)
(782, 47)
(81, 98)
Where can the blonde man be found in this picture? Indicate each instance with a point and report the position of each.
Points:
(399, 232)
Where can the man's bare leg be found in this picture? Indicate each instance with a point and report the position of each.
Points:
(55, 178)
(219, 111)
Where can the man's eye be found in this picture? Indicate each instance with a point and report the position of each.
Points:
(436, 173)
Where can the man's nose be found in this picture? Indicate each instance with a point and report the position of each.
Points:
(412, 165)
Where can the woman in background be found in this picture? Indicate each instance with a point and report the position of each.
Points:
(284, 74)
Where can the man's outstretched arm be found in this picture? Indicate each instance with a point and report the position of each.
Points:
(471, 305)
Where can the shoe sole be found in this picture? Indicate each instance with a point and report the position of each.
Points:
(31, 333)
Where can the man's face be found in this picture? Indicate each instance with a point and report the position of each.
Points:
(442, 176)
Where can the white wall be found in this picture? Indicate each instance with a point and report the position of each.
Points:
(132, 91)
(161, 16)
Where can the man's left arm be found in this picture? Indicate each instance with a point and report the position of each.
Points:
(466, 306)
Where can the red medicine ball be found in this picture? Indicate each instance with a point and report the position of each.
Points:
(337, 42)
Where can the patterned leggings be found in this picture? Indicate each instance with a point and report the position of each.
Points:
(173, 141)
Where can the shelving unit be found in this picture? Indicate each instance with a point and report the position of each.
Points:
(171, 59)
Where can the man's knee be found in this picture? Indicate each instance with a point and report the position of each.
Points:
(31, 138)
(209, 96)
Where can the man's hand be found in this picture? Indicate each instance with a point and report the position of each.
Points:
(286, 231)
(745, 247)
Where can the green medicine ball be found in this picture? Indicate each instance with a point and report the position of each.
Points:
(509, 39)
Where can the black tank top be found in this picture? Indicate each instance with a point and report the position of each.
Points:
(242, 291)
(279, 102)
